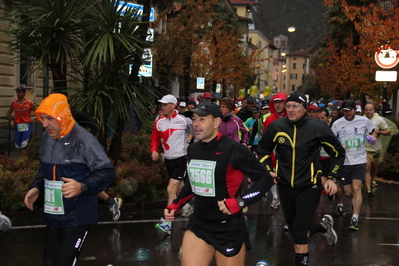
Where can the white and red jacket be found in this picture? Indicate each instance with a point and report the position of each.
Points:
(173, 134)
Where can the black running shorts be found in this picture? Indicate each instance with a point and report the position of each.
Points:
(176, 167)
(225, 237)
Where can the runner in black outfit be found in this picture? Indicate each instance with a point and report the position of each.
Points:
(216, 170)
(296, 140)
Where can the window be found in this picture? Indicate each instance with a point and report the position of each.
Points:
(25, 72)
(293, 65)
(276, 43)
(292, 87)
(294, 76)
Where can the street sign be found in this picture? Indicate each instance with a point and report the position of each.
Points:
(145, 69)
(386, 76)
(200, 83)
(386, 57)
(218, 88)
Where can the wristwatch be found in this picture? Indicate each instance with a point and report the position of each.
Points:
(333, 179)
(83, 187)
(241, 203)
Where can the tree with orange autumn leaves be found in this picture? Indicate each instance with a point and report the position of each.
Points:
(349, 70)
(199, 42)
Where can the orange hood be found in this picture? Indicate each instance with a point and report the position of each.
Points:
(56, 105)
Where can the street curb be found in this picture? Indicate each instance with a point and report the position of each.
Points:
(35, 217)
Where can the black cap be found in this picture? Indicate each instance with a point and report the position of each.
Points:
(192, 102)
(255, 110)
(348, 105)
(206, 108)
(298, 97)
(20, 88)
(250, 101)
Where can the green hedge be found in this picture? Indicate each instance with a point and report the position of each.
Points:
(138, 178)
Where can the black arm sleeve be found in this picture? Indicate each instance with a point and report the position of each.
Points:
(254, 131)
(247, 163)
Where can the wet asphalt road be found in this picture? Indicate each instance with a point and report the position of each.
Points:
(133, 240)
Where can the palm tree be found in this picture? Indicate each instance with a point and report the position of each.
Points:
(113, 42)
(96, 41)
(47, 32)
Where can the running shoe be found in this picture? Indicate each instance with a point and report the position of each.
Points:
(164, 226)
(5, 223)
(115, 209)
(354, 224)
(340, 210)
(331, 236)
(187, 210)
(374, 183)
(370, 194)
(274, 204)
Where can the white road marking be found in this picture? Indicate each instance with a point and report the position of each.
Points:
(382, 218)
(100, 223)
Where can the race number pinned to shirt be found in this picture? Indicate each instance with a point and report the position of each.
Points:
(23, 127)
(352, 143)
(53, 203)
(202, 177)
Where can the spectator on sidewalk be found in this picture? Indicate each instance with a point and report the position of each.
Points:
(22, 120)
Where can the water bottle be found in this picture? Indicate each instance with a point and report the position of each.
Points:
(262, 263)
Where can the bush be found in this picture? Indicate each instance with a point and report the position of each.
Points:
(15, 179)
(389, 167)
(32, 151)
(138, 178)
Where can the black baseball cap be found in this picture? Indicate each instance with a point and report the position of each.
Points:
(250, 101)
(348, 105)
(206, 108)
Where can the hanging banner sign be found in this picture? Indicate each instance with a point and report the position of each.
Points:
(139, 7)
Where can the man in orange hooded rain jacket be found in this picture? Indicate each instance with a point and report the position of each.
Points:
(73, 169)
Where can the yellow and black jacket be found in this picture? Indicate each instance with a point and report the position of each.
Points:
(297, 147)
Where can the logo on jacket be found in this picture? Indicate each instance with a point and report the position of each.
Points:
(220, 152)
(281, 140)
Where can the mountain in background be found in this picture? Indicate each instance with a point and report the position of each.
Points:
(307, 16)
